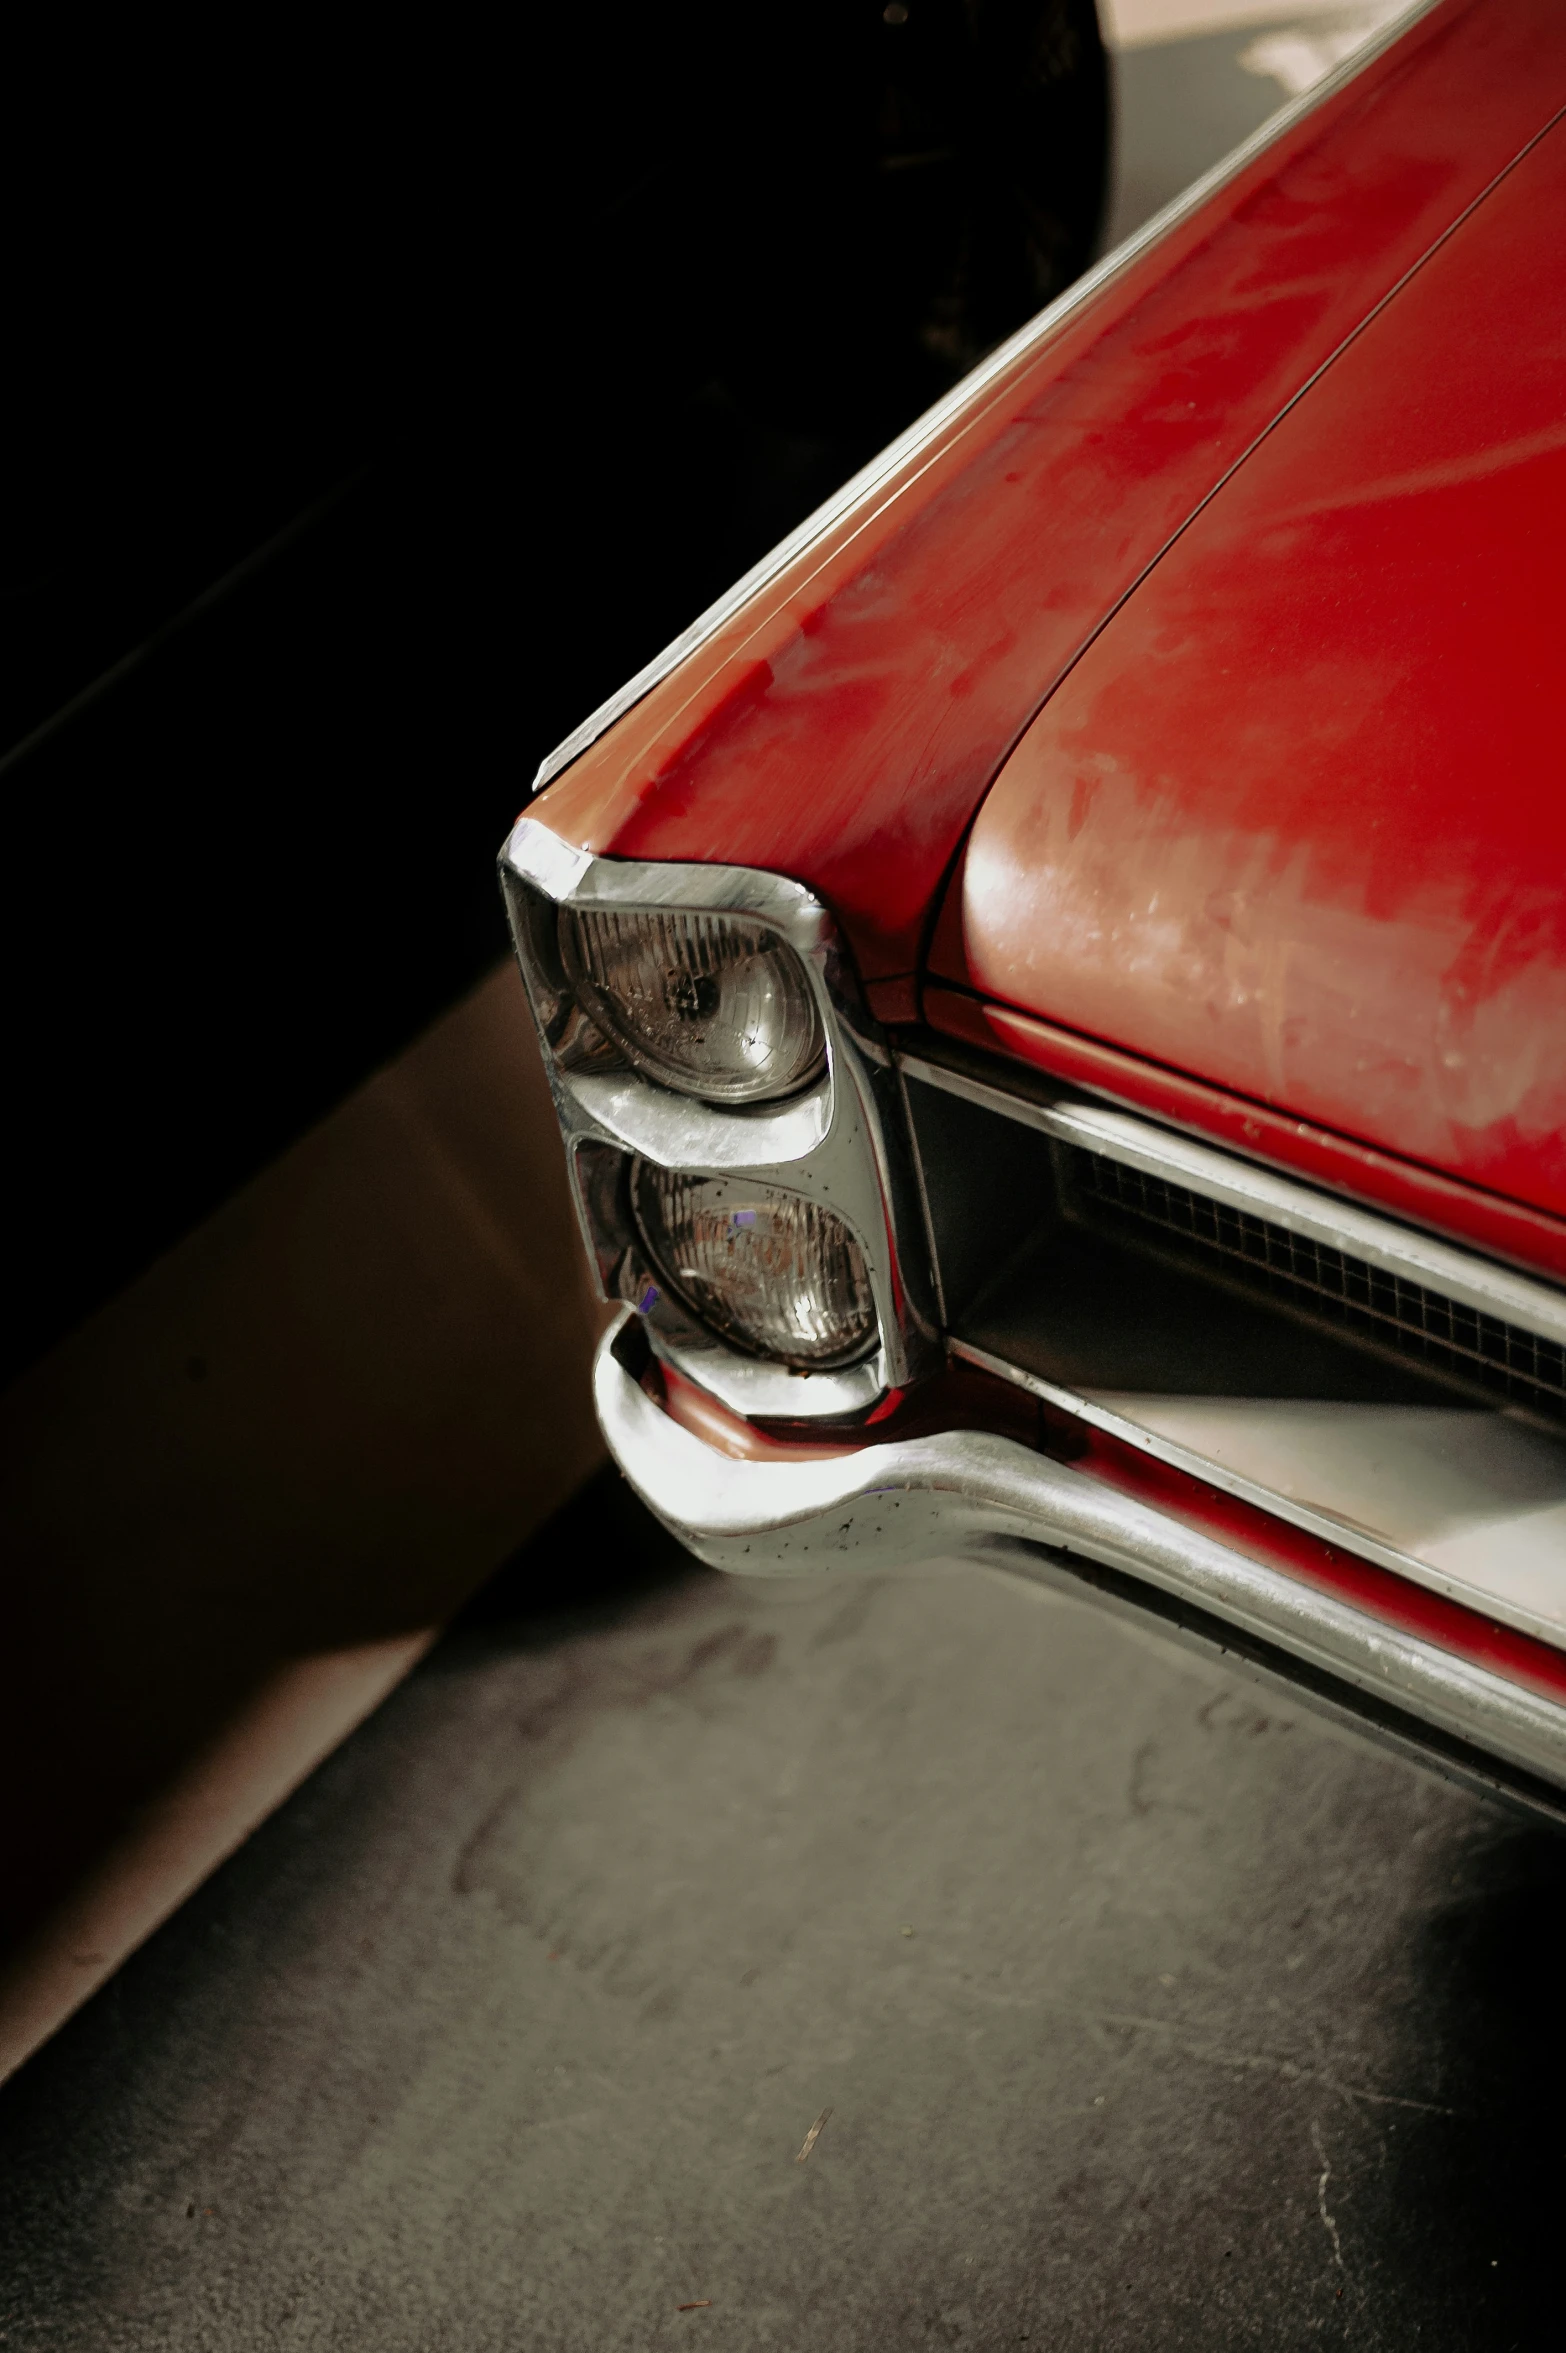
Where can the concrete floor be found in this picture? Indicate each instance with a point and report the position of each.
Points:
(1141, 2011)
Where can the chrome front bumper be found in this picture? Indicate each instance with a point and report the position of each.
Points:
(968, 1495)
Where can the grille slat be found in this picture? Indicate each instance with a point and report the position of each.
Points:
(1395, 1312)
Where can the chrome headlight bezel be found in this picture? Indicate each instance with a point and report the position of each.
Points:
(840, 1139)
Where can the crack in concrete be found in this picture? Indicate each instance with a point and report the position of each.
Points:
(1266, 2062)
(1329, 2223)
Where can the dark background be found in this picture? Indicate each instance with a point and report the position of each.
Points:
(378, 407)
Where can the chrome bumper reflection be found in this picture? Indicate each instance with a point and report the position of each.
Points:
(969, 1495)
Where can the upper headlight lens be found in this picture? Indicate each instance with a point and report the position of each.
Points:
(773, 1272)
(707, 1003)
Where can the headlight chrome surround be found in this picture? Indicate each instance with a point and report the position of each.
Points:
(838, 1140)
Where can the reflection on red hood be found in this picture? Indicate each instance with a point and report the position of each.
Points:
(1289, 824)
(1296, 822)
(844, 724)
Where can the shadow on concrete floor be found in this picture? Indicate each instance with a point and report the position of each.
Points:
(1141, 2012)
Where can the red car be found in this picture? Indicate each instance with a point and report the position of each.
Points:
(1055, 989)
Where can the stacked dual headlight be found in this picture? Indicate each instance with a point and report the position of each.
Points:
(722, 1009)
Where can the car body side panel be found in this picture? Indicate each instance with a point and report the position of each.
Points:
(844, 724)
(1296, 823)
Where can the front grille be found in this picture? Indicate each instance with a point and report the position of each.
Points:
(1327, 1284)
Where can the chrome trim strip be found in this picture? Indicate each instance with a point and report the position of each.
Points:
(970, 392)
(1247, 1186)
(1105, 1412)
(536, 853)
(968, 1494)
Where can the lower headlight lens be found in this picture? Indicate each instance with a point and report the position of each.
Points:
(775, 1274)
(707, 1003)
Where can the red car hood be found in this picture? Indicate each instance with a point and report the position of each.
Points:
(1296, 821)
(1352, 906)
(843, 722)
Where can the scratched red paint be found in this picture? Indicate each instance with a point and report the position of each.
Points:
(1489, 1221)
(845, 725)
(1296, 823)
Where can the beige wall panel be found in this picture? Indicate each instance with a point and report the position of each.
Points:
(236, 1501)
